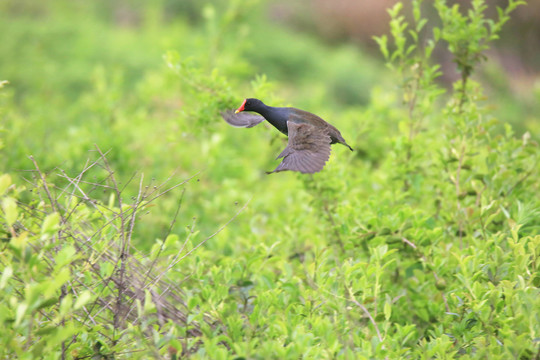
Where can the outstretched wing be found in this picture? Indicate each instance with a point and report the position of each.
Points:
(307, 151)
(242, 119)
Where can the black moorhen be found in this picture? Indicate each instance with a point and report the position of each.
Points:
(308, 148)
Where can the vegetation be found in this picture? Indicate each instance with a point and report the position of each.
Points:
(137, 224)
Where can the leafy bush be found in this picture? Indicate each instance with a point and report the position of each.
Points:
(72, 283)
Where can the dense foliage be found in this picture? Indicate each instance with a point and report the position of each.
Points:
(137, 224)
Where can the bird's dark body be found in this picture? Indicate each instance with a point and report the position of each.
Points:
(309, 135)
(278, 117)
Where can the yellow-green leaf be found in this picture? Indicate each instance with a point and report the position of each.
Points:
(21, 311)
(20, 240)
(5, 183)
(50, 224)
(65, 305)
(387, 310)
(6, 274)
(148, 303)
(9, 207)
(83, 299)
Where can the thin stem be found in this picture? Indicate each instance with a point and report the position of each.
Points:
(366, 311)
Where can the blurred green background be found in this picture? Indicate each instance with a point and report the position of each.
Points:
(93, 73)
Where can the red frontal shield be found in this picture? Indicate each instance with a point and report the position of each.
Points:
(241, 108)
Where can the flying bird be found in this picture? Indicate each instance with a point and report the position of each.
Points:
(310, 137)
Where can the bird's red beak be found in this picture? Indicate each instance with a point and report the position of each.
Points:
(241, 108)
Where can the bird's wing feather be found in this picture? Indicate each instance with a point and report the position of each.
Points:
(307, 151)
(242, 119)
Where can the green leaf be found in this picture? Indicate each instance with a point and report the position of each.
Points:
(382, 41)
(112, 200)
(66, 305)
(65, 256)
(171, 240)
(20, 241)
(6, 275)
(57, 281)
(9, 207)
(47, 330)
(393, 11)
(149, 305)
(421, 25)
(20, 312)
(387, 310)
(46, 303)
(50, 224)
(83, 299)
(5, 183)
(416, 11)
(505, 211)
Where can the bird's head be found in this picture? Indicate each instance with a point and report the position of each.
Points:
(250, 105)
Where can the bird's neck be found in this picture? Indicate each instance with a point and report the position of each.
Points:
(275, 116)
